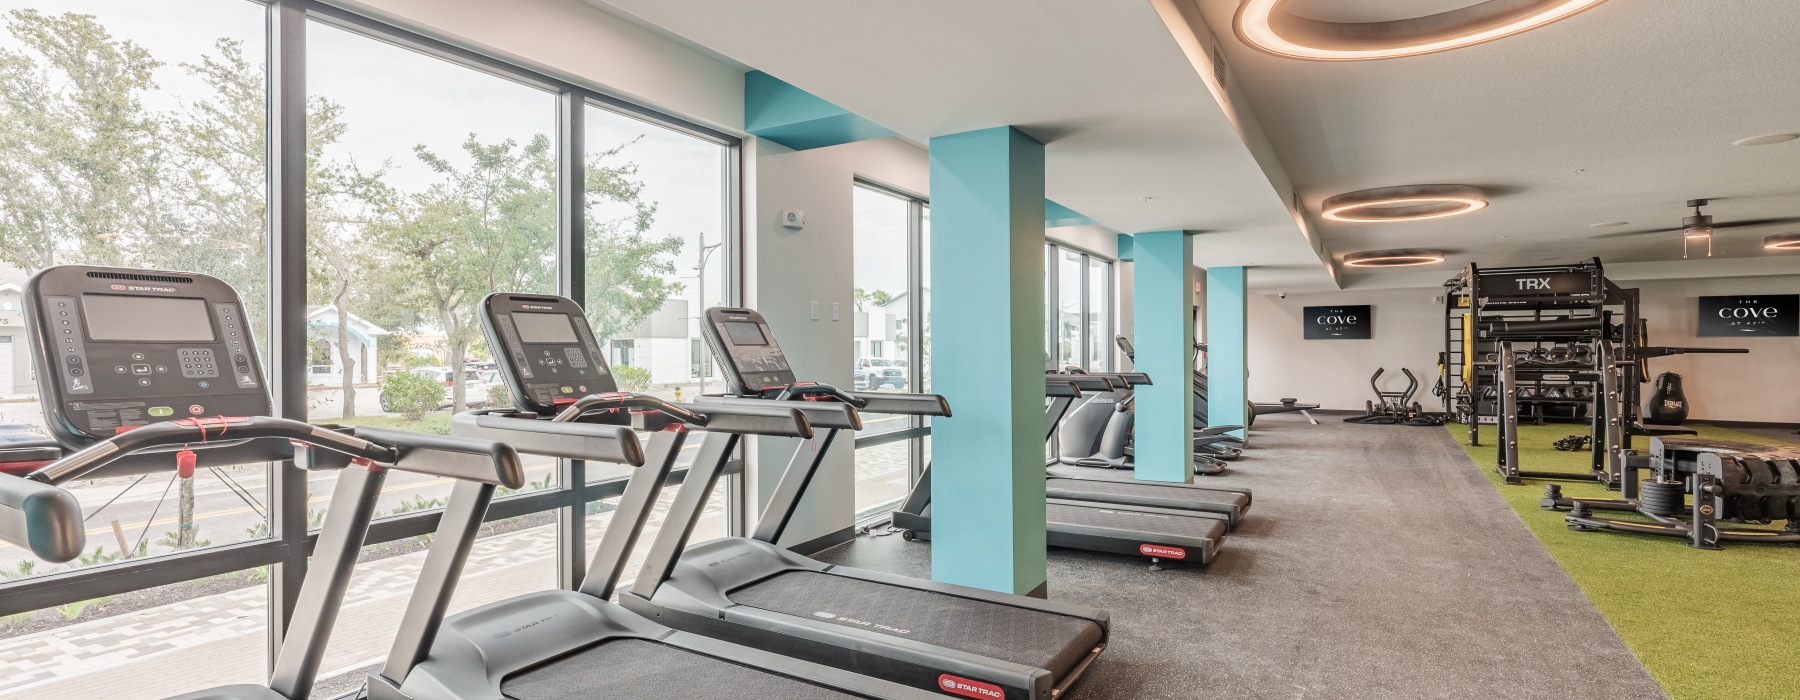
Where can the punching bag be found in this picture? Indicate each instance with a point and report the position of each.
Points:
(1668, 403)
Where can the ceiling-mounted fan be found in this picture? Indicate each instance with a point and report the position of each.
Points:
(1699, 227)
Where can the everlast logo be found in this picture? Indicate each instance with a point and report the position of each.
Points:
(956, 685)
(834, 617)
(1154, 550)
(135, 288)
(1532, 284)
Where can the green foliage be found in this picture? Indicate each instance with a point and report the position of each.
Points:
(411, 395)
(632, 379)
(417, 503)
(74, 610)
(498, 396)
(20, 617)
(24, 569)
(1656, 592)
(98, 557)
(172, 540)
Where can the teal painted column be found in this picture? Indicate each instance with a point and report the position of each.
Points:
(987, 359)
(1163, 328)
(1227, 383)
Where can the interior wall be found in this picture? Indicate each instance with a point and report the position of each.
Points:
(1408, 333)
(1409, 330)
(1754, 387)
(787, 271)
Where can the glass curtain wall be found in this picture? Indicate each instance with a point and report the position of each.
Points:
(133, 134)
(890, 288)
(1078, 309)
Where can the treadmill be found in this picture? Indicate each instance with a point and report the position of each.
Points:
(115, 360)
(1101, 429)
(1137, 530)
(565, 644)
(1100, 485)
(959, 641)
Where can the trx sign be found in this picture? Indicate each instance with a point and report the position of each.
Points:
(1538, 284)
(1338, 322)
(1759, 314)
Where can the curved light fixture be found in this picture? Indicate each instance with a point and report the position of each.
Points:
(1406, 257)
(1782, 241)
(1404, 203)
(1266, 27)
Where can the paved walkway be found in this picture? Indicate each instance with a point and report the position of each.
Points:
(219, 639)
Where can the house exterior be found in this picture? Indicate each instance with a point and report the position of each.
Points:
(16, 374)
(322, 327)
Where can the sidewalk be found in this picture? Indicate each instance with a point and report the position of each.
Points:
(220, 639)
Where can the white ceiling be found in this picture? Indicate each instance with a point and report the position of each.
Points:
(1620, 113)
(1123, 113)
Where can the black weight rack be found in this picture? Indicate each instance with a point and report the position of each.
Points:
(1553, 317)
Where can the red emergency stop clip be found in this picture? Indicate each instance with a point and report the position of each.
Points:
(184, 463)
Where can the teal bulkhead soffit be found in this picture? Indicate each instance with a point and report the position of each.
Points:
(1057, 215)
(792, 117)
(1163, 328)
(987, 359)
(1227, 357)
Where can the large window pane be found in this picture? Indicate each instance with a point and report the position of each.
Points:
(1069, 323)
(1099, 315)
(925, 298)
(883, 238)
(150, 643)
(657, 254)
(430, 185)
(131, 134)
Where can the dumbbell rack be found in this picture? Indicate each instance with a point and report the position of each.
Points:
(1535, 307)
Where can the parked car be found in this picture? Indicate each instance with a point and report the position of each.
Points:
(476, 381)
(874, 373)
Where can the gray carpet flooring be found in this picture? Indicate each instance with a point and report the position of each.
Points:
(1377, 562)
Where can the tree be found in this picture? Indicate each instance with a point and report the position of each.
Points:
(629, 274)
(488, 227)
(82, 156)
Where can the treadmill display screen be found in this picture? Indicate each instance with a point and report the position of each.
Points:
(745, 333)
(146, 319)
(544, 328)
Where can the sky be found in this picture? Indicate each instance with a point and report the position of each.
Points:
(395, 98)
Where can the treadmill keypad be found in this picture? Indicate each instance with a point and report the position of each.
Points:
(198, 363)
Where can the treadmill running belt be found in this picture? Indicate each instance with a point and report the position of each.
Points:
(645, 670)
(1148, 523)
(1030, 637)
(1126, 489)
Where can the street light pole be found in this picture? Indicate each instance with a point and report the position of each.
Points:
(705, 252)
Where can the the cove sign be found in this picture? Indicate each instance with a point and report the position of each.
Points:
(1338, 322)
(1755, 314)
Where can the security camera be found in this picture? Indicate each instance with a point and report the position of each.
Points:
(1283, 295)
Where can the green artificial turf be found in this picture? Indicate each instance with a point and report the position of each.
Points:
(1708, 625)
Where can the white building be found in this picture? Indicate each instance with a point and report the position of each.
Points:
(322, 327)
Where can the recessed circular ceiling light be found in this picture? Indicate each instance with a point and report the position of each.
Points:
(1404, 203)
(1782, 241)
(1394, 258)
(1765, 140)
(1608, 224)
(1266, 27)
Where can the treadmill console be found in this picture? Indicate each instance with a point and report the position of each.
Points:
(547, 353)
(741, 339)
(118, 348)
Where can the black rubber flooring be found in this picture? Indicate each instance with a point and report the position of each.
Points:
(1377, 562)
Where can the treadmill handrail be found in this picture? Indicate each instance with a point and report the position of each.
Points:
(903, 404)
(1054, 388)
(601, 442)
(827, 415)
